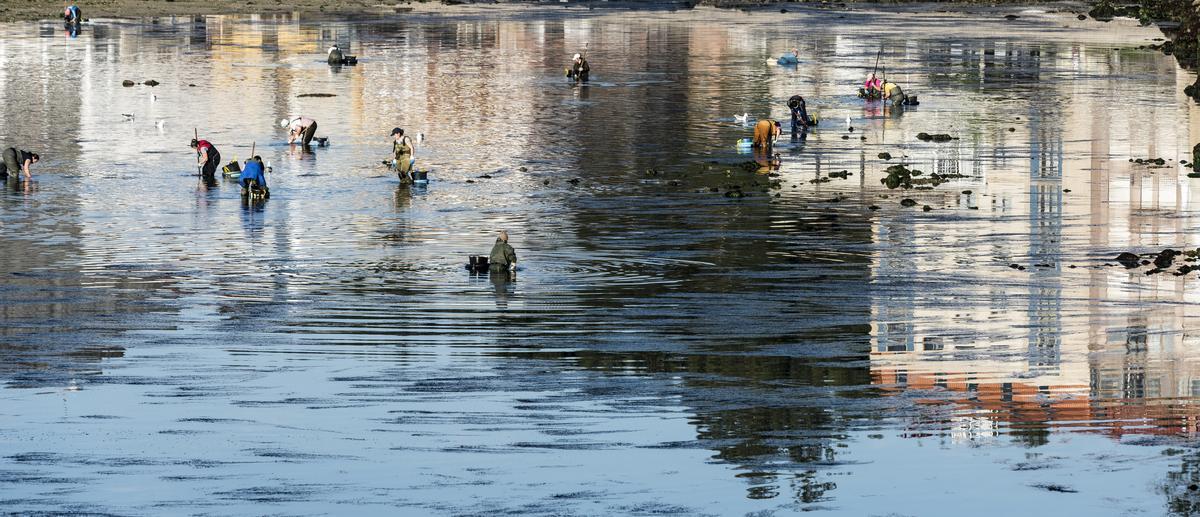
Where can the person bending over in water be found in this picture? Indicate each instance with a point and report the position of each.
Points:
(299, 128)
(336, 57)
(253, 178)
(72, 15)
(403, 149)
(503, 258)
(872, 86)
(15, 162)
(800, 118)
(766, 131)
(579, 69)
(893, 93)
(207, 157)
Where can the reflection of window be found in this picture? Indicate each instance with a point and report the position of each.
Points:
(1196, 388)
(1006, 392)
(939, 380)
(933, 343)
(901, 378)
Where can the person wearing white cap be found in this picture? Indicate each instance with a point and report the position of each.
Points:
(299, 128)
(579, 68)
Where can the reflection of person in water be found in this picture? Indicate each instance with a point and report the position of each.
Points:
(766, 161)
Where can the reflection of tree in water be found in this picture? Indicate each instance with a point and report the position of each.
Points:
(747, 412)
(1182, 488)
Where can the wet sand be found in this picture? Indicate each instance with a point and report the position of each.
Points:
(684, 337)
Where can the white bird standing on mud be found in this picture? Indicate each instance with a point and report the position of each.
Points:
(742, 119)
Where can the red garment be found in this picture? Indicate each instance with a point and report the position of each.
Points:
(202, 145)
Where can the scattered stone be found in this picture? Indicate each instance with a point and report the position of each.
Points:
(151, 82)
(317, 95)
(885, 156)
(1082, 17)
(127, 83)
(1129, 260)
(1067, 190)
(485, 177)
(545, 182)
(783, 11)
(573, 181)
(907, 202)
(737, 194)
(967, 192)
(926, 208)
(1012, 130)
(850, 129)
(873, 207)
(190, 85)
(840, 174)
(941, 137)
(845, 137)
(1014, 266)
(523, 169)
(470, 181)
(818, 180)
(1165, 258)
(1011, 17)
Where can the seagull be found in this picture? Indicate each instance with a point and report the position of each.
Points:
(153, 97)
(128, 116)
(742, 119)
(848, 126)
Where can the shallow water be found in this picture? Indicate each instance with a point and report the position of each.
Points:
(665, 348)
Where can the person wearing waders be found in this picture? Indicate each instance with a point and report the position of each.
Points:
(253, 179)
(766, 131)
(72, 15)
(800, 118)
(503, 258)
(403, 149)
(16, 162)
(207, 157)
(336, 57)
(299, 128)
(579, 69)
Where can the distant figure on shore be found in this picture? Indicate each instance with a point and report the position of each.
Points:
(16, 162)
(72, 15)
(503, 258)
(579, 69)
(207, 157)
(766, 131)
(403, 149)
(254, 182)
(800, 118)
(299, 128)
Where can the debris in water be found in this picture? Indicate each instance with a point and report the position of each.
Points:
(127, 83)
(1129, 260)
(317, 95)
(907, 202)
(885, 156)
(151, 82)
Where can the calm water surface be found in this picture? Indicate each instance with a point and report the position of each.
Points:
(665, 348)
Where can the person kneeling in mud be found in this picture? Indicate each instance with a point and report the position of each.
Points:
(299, 128)
(254, 182)
(503, 258)
(766, 131)
(403, 149)
(16, 162)
(207, 157)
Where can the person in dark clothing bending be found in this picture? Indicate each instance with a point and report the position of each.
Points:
(800, 118)
(207, 157)
(503, 258)
(579, 69)
(15, 162)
